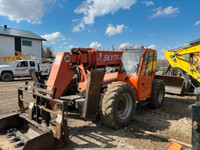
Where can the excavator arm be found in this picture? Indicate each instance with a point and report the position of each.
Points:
(182, 74)
(179, 58)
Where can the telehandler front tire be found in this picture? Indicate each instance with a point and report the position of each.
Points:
(157, 94)
(118, 105)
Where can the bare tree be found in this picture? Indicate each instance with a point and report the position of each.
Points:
(162, 63)
(47, 52)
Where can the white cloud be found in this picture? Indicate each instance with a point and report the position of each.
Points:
(75, 20)
(64, 43)
(112, 30)
(153, 46)
(28, 10)
(96, 8)
(69, 47)
(125, 46)
(197, 23)
(57, 38)
(148, 3)
(168, 11)
(162, 50)
(95, 45)
(78, 28)
(52, 37)
(137, 46)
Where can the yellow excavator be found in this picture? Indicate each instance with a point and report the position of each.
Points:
(19, 56)
(183, 70)
(186, 61)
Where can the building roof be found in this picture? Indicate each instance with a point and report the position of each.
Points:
(19, 33)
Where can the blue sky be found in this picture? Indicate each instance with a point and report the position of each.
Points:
(159, 24)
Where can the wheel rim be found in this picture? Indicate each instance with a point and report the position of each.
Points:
(160, 95)
(124, 106)
(8, 77)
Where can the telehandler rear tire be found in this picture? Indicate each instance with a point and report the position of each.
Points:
(118, 105)
(157, 94)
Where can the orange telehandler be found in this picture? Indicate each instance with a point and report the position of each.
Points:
(81, 79)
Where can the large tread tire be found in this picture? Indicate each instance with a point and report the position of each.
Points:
(7, 76)
(157, 94)
(119, 95)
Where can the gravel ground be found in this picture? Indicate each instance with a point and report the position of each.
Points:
(173, 120)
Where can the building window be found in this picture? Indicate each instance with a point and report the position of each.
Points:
(26, 43)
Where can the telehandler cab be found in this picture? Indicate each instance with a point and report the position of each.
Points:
(108, 83)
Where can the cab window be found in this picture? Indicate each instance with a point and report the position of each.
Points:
(22, 64)
(32, 63)
(144, 64)
(130, 62)
(148, 65)
(154, 61)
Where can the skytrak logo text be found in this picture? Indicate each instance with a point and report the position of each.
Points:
(111, 57)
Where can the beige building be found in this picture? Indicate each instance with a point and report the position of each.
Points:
(26, 42)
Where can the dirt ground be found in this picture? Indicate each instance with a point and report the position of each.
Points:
(173, 120)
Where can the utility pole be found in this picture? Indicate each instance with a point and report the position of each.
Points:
(113, 48)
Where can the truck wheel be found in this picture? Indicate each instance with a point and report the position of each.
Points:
(6, 77)
(118, 105)
(157, 94)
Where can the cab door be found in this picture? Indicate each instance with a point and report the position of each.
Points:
(22, 69)
(33, 65)
(146, 74)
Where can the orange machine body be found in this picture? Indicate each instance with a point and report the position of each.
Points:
(83, 60)
(141, 82)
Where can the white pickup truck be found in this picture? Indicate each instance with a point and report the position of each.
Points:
(21, 68)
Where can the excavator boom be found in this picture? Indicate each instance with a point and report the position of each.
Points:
(184, 68)
(179, 59)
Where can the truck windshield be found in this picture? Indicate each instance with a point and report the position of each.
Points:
(131, 62)
(13, 63)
